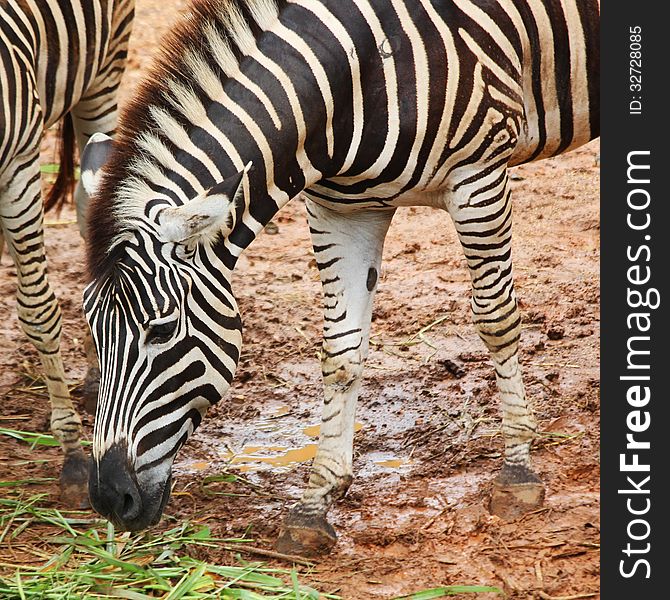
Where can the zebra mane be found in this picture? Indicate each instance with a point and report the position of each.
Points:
(206, 45)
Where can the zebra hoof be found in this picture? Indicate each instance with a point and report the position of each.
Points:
(74, 480)
(306, 535)
(89, 390)
(516, 491)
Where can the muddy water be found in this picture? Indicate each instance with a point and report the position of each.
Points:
(260, 456)
(394, 414)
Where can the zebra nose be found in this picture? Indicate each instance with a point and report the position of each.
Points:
(113, 490)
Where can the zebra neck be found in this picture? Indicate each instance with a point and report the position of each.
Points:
(251, 218)
(273, 106)
(233, 85)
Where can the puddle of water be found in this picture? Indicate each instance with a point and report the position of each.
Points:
(200, 465)
(297, 444)
(314, 430)
(392, 463)
(281, 411)
(288, 456)
(293, 455)
(274, 421)
(249, 450)
(253, 458)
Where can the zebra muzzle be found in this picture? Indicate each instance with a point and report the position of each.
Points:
(116, 492)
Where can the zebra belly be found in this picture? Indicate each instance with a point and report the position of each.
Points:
(414, 197)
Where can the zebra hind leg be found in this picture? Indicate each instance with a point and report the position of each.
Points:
(348, 251)
(484, 228)
(40, 318)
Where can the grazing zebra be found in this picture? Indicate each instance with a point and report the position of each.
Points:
(364, 106)
(59, 59)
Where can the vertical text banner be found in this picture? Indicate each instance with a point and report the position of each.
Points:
(635, 268)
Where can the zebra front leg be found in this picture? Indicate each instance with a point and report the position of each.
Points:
(348, 251)
(40, 317)
(485, 231)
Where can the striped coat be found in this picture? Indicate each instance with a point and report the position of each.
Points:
(363, 106)
(59, 59)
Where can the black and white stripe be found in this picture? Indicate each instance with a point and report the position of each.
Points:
(364, 106)
(58, 59)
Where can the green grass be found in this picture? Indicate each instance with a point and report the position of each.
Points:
(450, 590)
(54, 168)
(48, 554)
(33, 438)
(76, 556)
(63, 555)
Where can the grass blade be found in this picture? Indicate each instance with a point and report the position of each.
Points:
(450, 590)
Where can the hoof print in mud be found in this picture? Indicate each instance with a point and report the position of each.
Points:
(516, 491)
(306, 535)
(74, 481)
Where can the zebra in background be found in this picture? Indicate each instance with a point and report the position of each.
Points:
(364, 106)
(59, 59)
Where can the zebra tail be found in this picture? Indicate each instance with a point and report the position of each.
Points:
(63, 187)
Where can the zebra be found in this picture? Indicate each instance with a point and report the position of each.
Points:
(362, 106)
(59, 60)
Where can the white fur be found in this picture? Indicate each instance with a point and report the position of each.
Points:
(90, 179)
(202, 219)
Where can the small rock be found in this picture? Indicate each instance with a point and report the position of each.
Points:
(452, 367)
(555, 332)
(271, 228)
(472, 356)
(535, 316)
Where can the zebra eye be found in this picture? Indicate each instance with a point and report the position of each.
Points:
(159, 333)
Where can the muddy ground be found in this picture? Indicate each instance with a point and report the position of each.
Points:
(428, 441)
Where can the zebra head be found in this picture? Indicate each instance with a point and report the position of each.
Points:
(167, 331)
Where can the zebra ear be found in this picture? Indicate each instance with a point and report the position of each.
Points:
(206, 216)
(95, 155)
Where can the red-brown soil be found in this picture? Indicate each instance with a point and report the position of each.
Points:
(429, 442)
